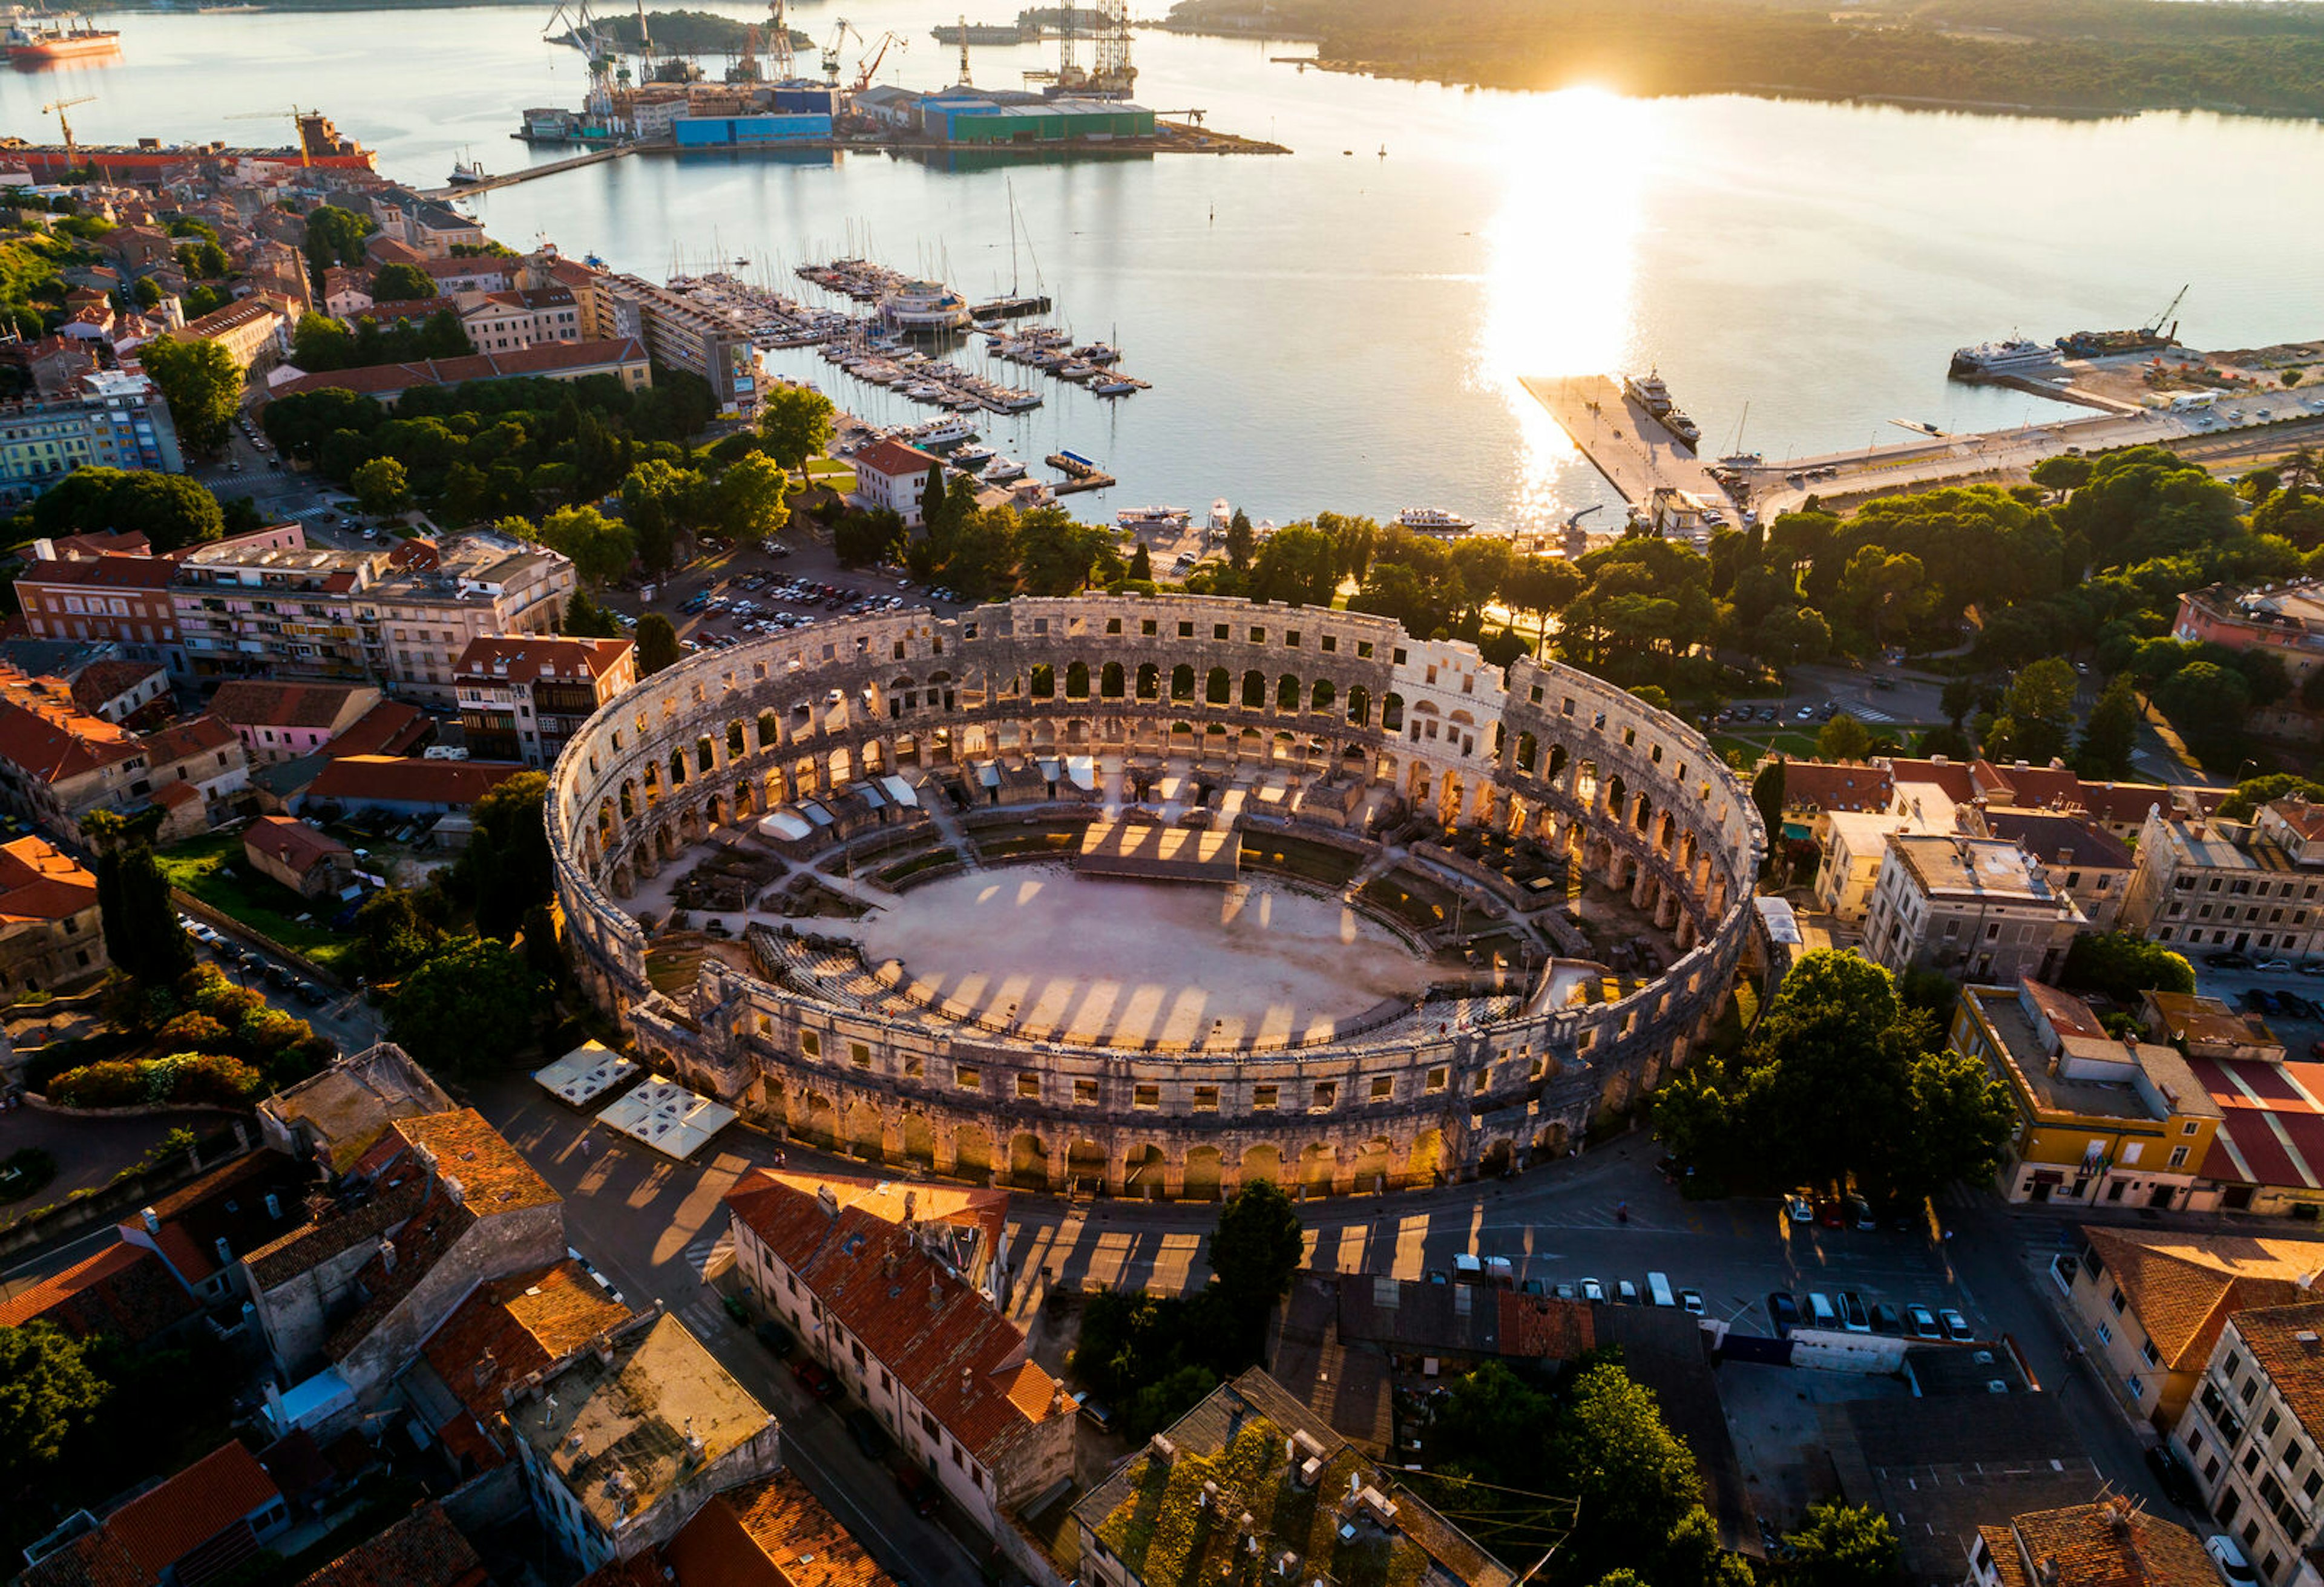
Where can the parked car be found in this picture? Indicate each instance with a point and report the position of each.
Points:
(1097, 1415)
(1852, 1316)
(2228, 1560)
(1921, 1323)
(777, 1339)
(919, 1490)
(1887, 1319)
(1802, 1210)
(2227, 960)
(2274, 967)
(1625, 1292)
(814, 1379)
(1956, 1326)
(1783, 1311)
(870, 1436)
(1689, 1301)
(1859, 1213)
(2178, 1482)
(1828, 1214)
(1591, 1289)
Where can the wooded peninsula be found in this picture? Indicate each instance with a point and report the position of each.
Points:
(2046, 57)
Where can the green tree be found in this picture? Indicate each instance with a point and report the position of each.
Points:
(142, 934)
(2036, 712)
(202, 385)
(1635, 1480)
(173, 511)
(2121, 965)
(1959, 1120)
(334, 236)
(47, 1391)
(1240, 540)
(146, 292)
(2206, 701)
(2110, 734)
(1055, 552)
(506, 868)
(319, 342)
(656, 644)
(1844, 1546)
(1141, 569)
(601, 548)
(1843, 739)
(750, 497)
(1256, 1245)
(470, 1006)
(381, 486)
(585, 619)
(1767, 795)
(401, 283)
(393, 933)
(864, 540)
(2253, 791)
(794, 424)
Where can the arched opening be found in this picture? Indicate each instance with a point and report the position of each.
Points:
(1254, 690)
(1286, 693)
(865, 1131)
(769, 731)
(816, 1119)
(1149, 681)
(1028, 1162)
(705, 754)
(1109, 681)
(1145, 1173)
(1261, 1162)
(1424, 1164)
(1205, 1173)
(1045, 681)
(972, 1147)
(738, 744)
(1392, 713)
(1500, 1158)
(1360, 705)
(1374, 1164)
(1317, 1163)
(1556, 761)
(678, 768)
(919, 1139)
(1217, 688)
(1182, 682)
(1550, 1143)
(1528, 751)
(1085, 1167)
(1324, 695)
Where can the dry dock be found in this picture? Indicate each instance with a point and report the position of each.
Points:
(1623, 441)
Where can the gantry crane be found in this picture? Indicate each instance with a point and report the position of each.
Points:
(781, 67)
(298, 125)
(830, 52)
(890, 40)
(58, 108)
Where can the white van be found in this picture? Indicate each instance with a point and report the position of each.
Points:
(1820, 1312)
(1659, 1286)
(1467, 1270)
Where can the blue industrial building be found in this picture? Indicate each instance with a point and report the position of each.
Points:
(743, 131)
(805, 98)
(961, 120)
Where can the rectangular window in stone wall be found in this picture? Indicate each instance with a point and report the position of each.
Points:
(1085, 1092)
(1029, 1087)
(1262, 1098)
(1146, 1097)
(1327, 1096)
(859, 1054)
(1438, 1077)
(966, 1077)
(1206, 1099)
(811, 1044)
(1383, 1088)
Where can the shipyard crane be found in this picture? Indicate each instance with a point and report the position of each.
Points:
(965, 81)
(298, 125)
(58, 108)
(890, 40)
(831, 51)
(781, 66)
(2168, 310)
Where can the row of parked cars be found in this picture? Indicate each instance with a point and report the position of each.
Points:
(918, 1488)
(2230, 959)
(1847, 1313)
(227, 951)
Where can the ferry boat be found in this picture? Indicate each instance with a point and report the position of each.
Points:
(944, 432)
(924, 309)
(2016, 356)
(1434, 521)
(1648, 392)
(1683, 428)
(1004, 467)
(1140, 520)
(36, 46)
(1222, 515)
(467, 173)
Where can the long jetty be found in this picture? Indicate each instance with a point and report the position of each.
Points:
(1624, 442)
(531, 172)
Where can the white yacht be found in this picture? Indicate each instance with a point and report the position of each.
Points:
(1004, 467)
(1648, 392)
(944, 432)
(1140, 520)
(974, 455)
(1107, 385)
(2016, 356)
(1434, 521)
(1222, 515)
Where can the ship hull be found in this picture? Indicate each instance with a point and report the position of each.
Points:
(43, 50)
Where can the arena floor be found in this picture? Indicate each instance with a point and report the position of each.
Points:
(1126, 962)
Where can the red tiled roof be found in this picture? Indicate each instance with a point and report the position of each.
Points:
(2127, 803)
(1815, 785)
(202, 736)
(101, 543)
(102, 681)
(124, 1291)
(293, 843)
(2273, 1128)
(387, 728)
(543, 358)
(520, 659)
(424, 1549)
(59, 741)
(162, 1526)
(177, 795)
(514, 1326)
(261, 703)
(960, 1359)
(2047, 835)
(769, 1532)
(894, 459)
(1548, 1329)
(2030, 787)
(38, 883)
(411, 781)
(1952, 776)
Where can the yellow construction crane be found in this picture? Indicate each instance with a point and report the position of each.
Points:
(298, 125)
(58, 107)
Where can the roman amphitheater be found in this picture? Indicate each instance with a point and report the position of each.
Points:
(1153, 894)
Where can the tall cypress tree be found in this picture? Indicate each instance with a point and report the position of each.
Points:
(142, 934)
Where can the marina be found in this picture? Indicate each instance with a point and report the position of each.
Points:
(1627, 442)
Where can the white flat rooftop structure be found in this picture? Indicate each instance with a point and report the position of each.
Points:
(664, 1115)
(586, 1073)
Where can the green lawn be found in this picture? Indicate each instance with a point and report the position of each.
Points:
(199, 868)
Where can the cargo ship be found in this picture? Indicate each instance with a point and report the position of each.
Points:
(38, 45)
(319, 145)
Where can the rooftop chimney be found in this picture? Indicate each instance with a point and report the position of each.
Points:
(387, 1254)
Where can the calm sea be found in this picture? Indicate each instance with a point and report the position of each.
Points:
(1343, 327)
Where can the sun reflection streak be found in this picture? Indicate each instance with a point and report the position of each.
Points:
(1561, 261)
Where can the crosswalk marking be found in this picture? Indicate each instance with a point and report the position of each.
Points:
(711, 1253)
(705, 1319)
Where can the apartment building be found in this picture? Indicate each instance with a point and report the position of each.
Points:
(122, 599)
(524, 697)
(680, 333)
(400, 619)
(506, 321)
(115, 419)
(51, 936)
(251, 330)
(2109, 1542)
(2210, 884)
(58, 763)
(2253, 1436)
(1975, 907)
(883, 1305)
(2099, 1120)
(2284, 620)
(2078, 858)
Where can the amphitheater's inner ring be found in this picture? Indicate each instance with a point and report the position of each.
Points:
(1119, 962)
(1567, 869)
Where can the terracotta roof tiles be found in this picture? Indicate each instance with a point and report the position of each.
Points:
(124, 1292)
(424, 1549)
(2185, 1285)
(161, 1526)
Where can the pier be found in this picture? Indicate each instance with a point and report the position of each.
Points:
(1079, 475)
(531, 172)
(1624, 442)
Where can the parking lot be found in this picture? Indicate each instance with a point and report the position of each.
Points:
(2288, 995)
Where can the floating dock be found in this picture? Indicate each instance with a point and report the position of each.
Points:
(1079, 474)
(1624, 442)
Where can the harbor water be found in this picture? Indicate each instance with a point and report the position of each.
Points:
(1342, 328)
